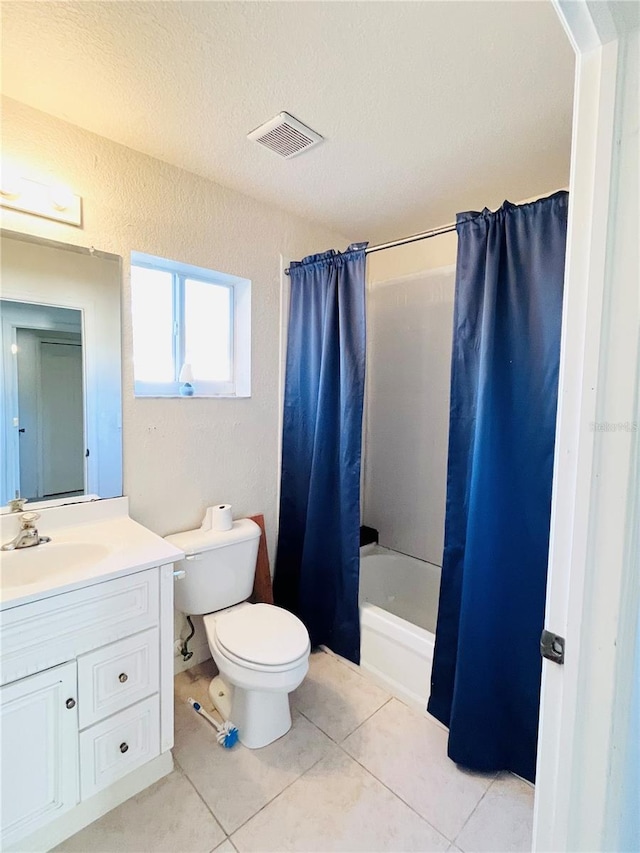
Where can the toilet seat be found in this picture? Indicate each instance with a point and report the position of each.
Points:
(260, 637)
(260, 667)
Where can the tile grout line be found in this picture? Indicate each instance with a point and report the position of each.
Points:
(275, 796)
(474, 810)
(315, 763)
(339, 742)
(222, 842)
(366, 770)
(200, 797)
(293, 781)
(366, 720)
(344, 751)
(340, 745)
(357, 670)
(493, 781)
(396, 795)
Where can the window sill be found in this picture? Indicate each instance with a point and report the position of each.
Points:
(201, 389)
(192, 397)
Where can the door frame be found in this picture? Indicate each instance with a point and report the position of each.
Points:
(595, 485)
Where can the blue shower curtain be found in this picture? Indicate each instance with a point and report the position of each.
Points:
(485, 682)
(317, 562)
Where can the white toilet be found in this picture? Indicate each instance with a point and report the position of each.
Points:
(261, 651)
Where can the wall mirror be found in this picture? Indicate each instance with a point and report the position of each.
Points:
(60, 406)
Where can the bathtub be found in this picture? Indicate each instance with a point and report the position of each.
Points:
(398, 611)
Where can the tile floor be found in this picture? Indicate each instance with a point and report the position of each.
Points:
(359, 771)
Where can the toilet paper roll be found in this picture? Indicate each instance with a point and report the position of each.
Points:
(218, 518)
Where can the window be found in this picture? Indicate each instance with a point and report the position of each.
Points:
(189, 325)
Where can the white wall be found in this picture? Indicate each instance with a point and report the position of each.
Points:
(409, 336)
(180, 455)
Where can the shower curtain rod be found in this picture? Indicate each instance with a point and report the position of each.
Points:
(414, 238)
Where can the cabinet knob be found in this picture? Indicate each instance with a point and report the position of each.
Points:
(124, 747)
(123, 677)
(70, 703)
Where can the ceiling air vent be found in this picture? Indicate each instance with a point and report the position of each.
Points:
(285, 135)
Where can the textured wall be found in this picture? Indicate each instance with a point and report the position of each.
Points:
(464, 102)
(179, 455)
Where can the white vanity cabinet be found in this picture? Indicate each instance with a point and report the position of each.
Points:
(86, 703)
(39, 726)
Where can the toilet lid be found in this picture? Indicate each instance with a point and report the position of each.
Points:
(262, 634)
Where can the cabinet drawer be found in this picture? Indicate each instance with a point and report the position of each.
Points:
(44, 633)
(116, 746)
(118, 675)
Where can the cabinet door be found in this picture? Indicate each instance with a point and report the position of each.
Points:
(39, 732)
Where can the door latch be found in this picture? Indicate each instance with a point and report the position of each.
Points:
(552, 646)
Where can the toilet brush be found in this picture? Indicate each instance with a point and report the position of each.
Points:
(227, 733)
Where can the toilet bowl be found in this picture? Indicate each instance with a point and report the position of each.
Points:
(261, 651)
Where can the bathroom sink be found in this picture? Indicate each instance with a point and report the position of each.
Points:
(32, 565)
(89, 543)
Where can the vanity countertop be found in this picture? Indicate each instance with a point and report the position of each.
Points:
(90, 543)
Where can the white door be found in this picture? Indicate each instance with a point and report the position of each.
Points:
(39, 750)
(586, 728)
(62, 419)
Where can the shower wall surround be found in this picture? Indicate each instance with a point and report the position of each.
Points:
(409, 338)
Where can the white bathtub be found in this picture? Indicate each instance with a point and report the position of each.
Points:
(398, 611)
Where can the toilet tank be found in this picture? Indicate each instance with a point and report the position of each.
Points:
(219, 567)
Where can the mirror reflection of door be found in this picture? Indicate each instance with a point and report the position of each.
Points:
(61, 419)
(50, 407)
(68, 296)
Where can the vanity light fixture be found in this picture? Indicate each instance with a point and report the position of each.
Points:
(61, 197)
(53, 202)
(10, 182)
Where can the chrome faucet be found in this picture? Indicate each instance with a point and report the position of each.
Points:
(28, 536)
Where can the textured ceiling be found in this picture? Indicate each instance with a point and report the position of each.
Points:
(427, 108)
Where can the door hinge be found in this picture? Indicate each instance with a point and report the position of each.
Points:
(552, 646)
